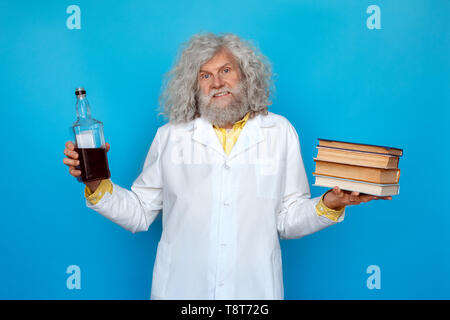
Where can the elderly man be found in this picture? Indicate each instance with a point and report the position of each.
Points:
(228, 176)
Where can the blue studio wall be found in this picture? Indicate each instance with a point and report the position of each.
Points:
(374, 72)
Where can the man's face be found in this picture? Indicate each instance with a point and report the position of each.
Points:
(219, 79)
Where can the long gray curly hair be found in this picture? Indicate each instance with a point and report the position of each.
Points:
(178, 101)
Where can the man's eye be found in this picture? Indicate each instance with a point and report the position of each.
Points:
(205, 76)
(226, 70)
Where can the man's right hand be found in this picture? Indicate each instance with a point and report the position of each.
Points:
(72, 162)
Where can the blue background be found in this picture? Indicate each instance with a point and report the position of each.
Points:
(335, 79)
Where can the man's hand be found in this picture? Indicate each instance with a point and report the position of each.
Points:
(73, 163)
(337, 199)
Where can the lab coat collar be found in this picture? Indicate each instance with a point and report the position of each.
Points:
(250, 135)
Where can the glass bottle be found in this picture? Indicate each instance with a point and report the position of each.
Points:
(89, 142)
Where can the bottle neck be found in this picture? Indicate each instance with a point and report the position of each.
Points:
(83, 109)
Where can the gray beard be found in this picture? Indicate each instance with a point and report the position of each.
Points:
(220, 115)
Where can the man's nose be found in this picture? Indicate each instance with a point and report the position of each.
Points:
(217, 82)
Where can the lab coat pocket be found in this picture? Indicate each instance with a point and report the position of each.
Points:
(268, 180)
(161, 270)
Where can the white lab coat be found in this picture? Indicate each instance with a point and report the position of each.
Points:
(222, 215)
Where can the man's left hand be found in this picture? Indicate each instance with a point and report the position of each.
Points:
(337, 199)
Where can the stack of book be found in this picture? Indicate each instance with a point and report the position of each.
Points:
(365, 168)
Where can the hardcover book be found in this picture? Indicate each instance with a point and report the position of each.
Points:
(358, 158)
(368, 174)
(360, 186)
(360, 147)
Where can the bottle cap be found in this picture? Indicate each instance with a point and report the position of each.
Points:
(80, 92)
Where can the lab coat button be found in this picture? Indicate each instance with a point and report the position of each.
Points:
(226, 204)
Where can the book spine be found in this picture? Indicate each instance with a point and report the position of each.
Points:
(359, 173)
(349, 185)
(361, 147)
(367, 159)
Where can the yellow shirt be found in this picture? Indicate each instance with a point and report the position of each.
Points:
(228, 139)
(323, 210)
(103, 187)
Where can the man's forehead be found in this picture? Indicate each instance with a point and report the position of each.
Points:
(221, 58)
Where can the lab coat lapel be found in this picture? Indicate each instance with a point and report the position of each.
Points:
(250, 135)
(204, 133)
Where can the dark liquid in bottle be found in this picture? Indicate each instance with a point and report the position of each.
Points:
(93, 164)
